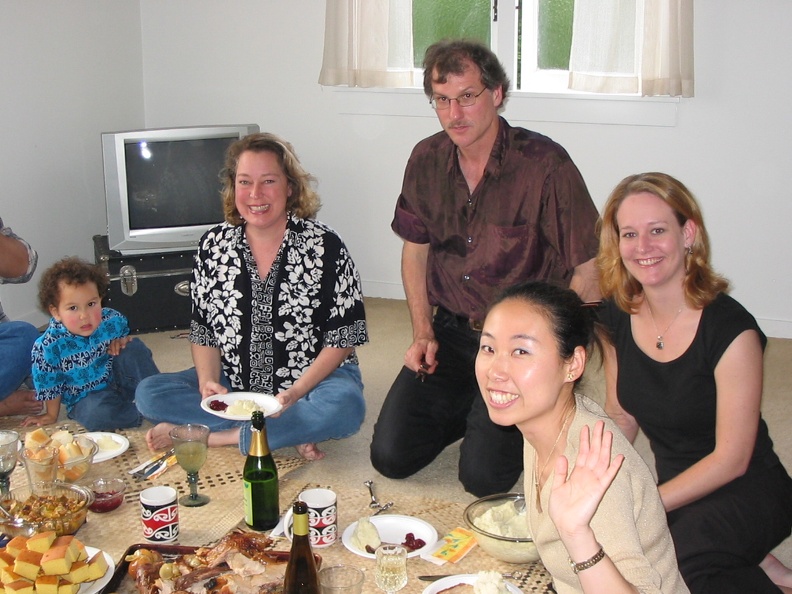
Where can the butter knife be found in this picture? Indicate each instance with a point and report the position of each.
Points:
(433, 578)
(146, 468)
(515, 575)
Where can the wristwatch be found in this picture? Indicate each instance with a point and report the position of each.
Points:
(578, 567)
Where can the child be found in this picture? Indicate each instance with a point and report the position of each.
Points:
(85, 357)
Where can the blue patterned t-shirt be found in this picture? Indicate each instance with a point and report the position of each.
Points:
(72, 366)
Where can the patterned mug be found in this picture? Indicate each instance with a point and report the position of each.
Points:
(322, 517)
(159, 514)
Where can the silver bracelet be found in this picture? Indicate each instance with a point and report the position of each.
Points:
(578, 567)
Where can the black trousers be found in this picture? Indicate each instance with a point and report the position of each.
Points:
(721, 539)
(419, 419)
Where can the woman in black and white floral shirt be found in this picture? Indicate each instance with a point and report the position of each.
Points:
(277, 309)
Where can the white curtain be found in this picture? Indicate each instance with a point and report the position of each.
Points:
(618, 46)
(632, 46)
(368, 43)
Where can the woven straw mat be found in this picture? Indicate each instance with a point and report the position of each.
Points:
(221, 479)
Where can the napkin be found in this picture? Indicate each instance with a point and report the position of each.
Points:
(167, 462)
(170, 461)
(452, 548)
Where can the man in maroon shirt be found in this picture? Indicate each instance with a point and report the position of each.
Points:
(484, 205)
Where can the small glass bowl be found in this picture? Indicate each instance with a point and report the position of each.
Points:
(73, 469)
(108, 494)
(505, 548)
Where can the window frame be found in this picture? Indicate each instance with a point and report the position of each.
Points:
(572, 108)
(559, 106)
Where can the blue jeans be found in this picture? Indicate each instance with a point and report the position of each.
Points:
(16, 343)
(332, 410)
(114, 407)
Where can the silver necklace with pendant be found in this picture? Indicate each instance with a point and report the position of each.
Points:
(660, 344)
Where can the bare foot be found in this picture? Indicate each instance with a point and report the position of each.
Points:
(158, 438)
(309, 451)
(779, 573)
(21, 402)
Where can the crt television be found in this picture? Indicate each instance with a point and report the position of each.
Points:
(162, 186)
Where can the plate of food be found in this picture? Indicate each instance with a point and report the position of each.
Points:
(235, 563)
(464, 583)
(97, 585)
(110, 444)
(362, 540)
(238, 406)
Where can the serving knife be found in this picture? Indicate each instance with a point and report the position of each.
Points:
(515, 575)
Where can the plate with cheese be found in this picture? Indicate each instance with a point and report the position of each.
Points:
(389, 529)
(464, 584)
(110, 444)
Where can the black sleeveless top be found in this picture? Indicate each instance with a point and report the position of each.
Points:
(674, 403)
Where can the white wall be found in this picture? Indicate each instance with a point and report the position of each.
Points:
(240, 61)
(69, 70)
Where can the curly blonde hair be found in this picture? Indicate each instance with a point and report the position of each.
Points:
(303, 203)
(702, 284)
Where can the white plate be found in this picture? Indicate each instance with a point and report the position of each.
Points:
(394, 529)
(454, 580)
(102, 455)
(95, 586)
(268, 404)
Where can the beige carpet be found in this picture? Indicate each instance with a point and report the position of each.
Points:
(347, 460)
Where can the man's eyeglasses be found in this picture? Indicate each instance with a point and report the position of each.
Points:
(464, 100)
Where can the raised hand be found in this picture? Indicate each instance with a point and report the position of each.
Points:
(574, 499)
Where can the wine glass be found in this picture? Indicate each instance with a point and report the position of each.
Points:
(9, 451)
(190, 443)
(391, 573)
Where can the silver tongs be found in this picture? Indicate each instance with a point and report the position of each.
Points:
(148, 468)
(375, 504)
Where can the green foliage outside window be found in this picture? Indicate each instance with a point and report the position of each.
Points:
(555, 34)
(434, 20)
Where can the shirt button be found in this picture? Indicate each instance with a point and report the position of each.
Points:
(466, 277)
(470, 240)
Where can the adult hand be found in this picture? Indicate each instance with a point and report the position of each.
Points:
(117, 345)
(287, 398)
(211, 389)
(21, 402)
(422, 355)
(574, 500)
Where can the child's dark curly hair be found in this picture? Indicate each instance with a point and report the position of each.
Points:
(72, 271)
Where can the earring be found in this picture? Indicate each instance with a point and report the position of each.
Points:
(570, 376)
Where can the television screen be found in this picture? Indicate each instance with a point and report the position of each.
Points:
(162, 185)
(174, 183)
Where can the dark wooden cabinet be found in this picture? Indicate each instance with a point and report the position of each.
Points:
(151, 290)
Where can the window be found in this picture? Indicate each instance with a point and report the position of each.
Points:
(601, 46)
(538, 35)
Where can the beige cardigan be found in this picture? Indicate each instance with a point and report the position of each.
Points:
(630, 522)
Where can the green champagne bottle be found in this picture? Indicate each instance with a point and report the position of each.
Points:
(260, 479)
(301, 576)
